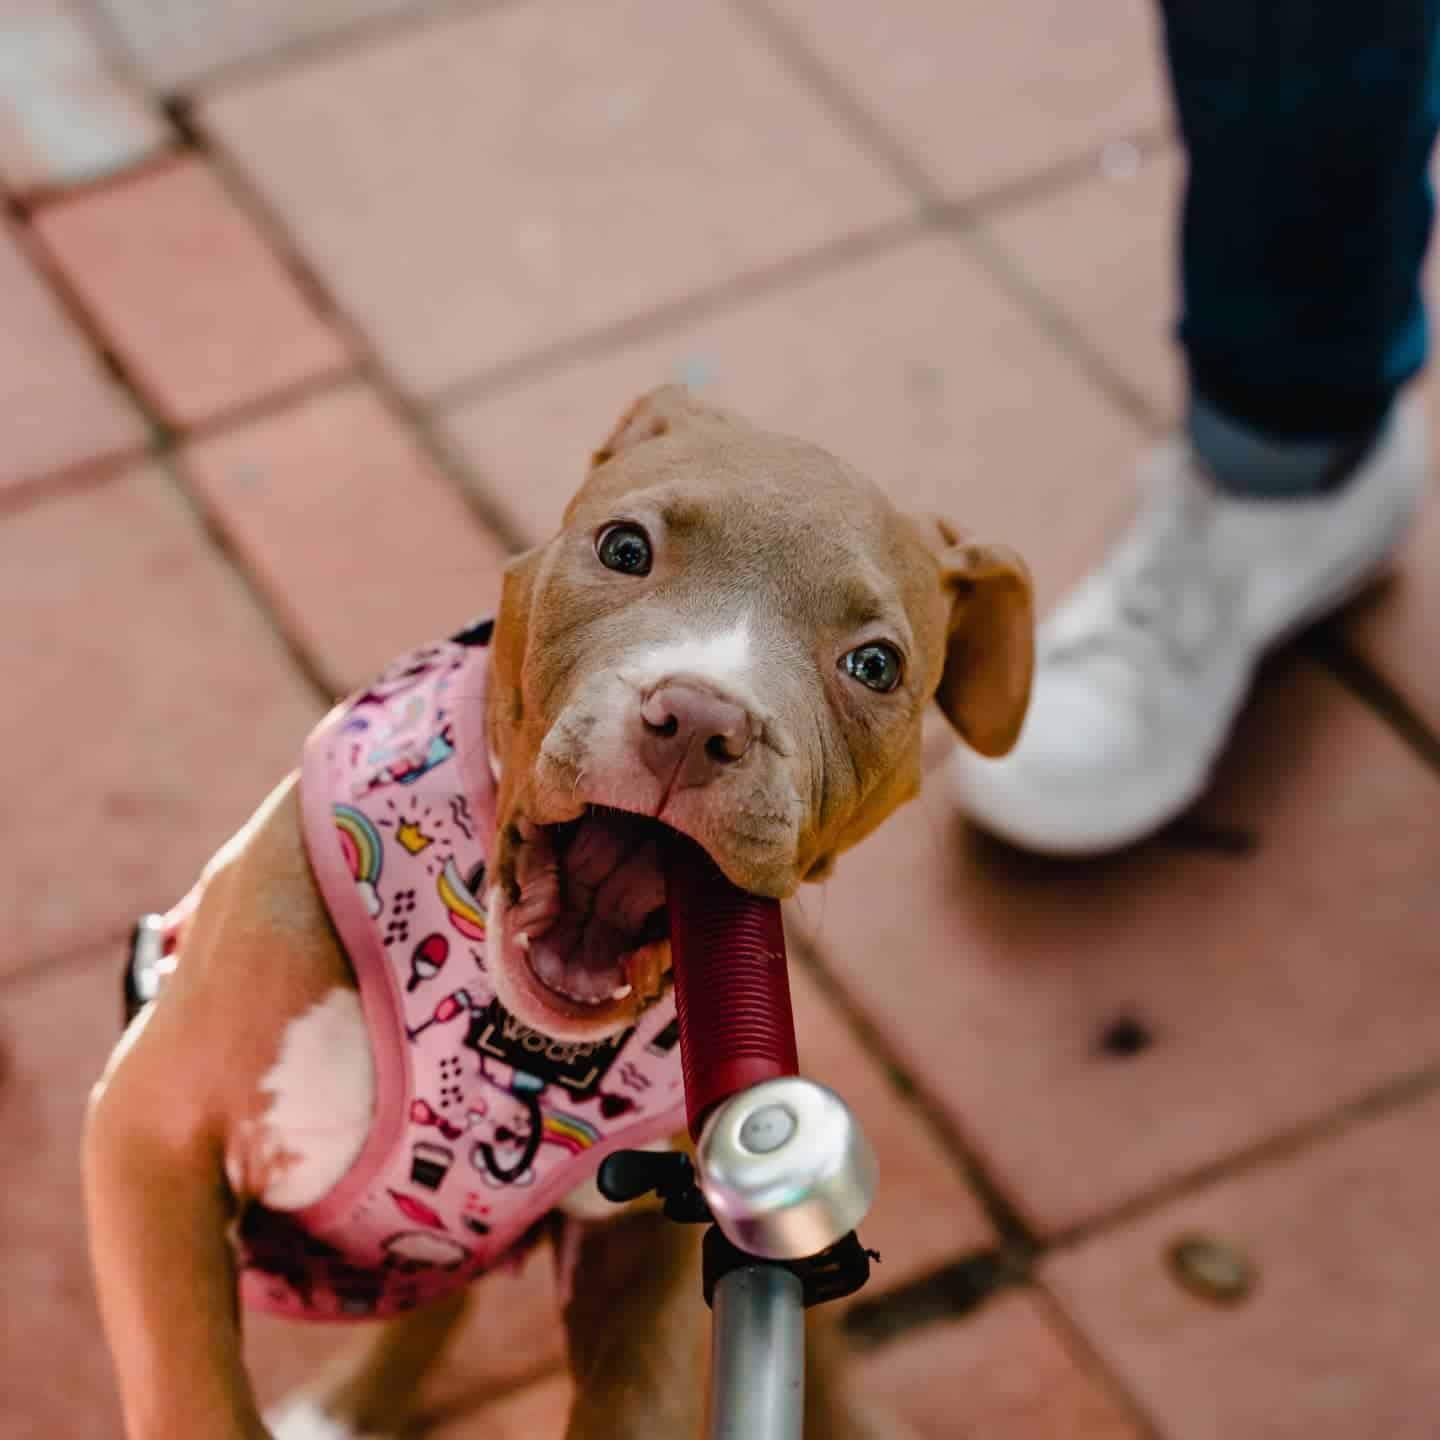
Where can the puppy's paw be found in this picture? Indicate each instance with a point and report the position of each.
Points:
(305, 1420)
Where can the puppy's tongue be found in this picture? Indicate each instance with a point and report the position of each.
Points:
(584, 901)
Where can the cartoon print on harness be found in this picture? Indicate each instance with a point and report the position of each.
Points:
(404, 763)
(410, 1251)
(415, 738)
(461, 897)
(504, 1123)
(506, 1127)
(363, 852)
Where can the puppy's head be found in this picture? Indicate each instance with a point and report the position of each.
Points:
(733, 635)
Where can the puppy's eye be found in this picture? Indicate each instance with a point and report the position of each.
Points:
(625, 548)
(877, 666)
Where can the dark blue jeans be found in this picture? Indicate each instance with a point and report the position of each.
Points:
(1308, 126)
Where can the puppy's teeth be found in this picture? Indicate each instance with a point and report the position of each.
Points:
(522, 943)
(621, 991)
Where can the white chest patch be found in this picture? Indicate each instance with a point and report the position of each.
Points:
(322, 1089)
(723, 657)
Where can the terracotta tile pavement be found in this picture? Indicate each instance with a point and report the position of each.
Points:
(360, 544)
(981, 95)
(1114, 278)
(1003, 1373)
(1276, 985)
(925, 1215)
(952, 395)
(479, 192)
(157, 710)
(66, 115)
(189, 295)
(543, 174)
(1341, 1335)
(55, 1030)
(59, 408)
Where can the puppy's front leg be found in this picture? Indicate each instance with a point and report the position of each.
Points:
(639, 1331)
(159, 1212)
(257, 952)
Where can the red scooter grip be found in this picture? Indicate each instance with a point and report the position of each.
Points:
(732, 992)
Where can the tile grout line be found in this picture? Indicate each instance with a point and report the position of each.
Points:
(1018, 1242)
(848, 109)
(965, 219)
(789, 273)
(72, 954)
(1089, 1358)
(931, 1298)
(1390, 1095)
(77, 313)
(311, 669)
(20, 496)
(973, 236)
(755, 285)
(1326, 646)
(368, 366)
(163, 451)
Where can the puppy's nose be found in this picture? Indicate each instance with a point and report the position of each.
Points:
(691, 734)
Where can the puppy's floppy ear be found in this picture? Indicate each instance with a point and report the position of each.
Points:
(990, 646)
(657, 413)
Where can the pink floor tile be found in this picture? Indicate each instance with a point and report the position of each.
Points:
(1273, 986)
(924, 1215)
(55, 1032)
(1340, 1336)
(982, 94)
(154, 709)
(58, 409)
(479, 189)
(1103, 251)
(200, 311)
(359, 542)
(66, 115)
(1004, 1373)
(910, 365)
(177, 44)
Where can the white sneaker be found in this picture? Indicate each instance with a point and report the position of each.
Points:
(1141, 670)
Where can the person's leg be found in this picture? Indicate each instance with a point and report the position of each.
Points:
(1307, 213)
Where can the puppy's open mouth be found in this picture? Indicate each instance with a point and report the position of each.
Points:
(585, 922)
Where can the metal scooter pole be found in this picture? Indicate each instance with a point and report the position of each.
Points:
(781, 1167)
(757, 1355)
(781, 1164)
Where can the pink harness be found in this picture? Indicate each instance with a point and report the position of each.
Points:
(481, 1125)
